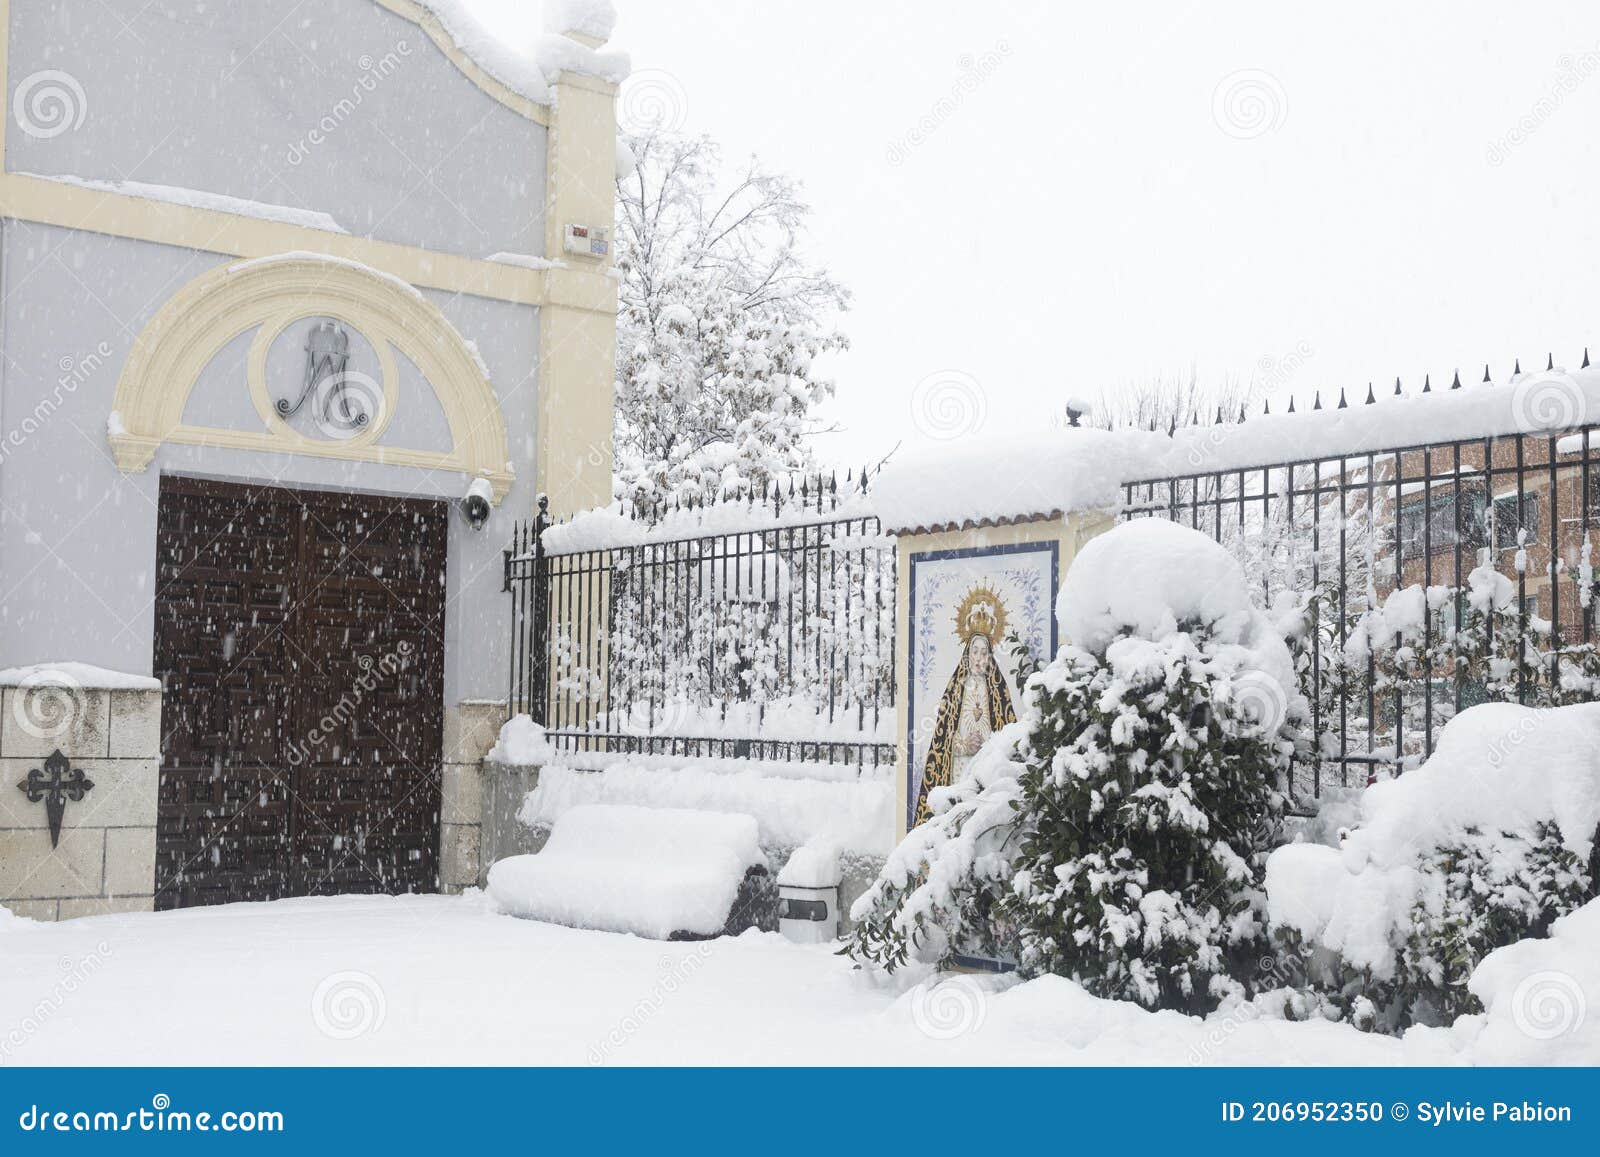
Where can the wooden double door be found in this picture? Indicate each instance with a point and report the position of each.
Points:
(300, 640)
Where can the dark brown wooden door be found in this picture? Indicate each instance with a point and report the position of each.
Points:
(300, 638)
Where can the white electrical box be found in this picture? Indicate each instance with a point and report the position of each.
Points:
(587, 240)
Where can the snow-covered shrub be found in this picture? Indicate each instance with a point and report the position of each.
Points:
(1482, 846)
(1481, 891)
(1116, 833)
(942, 888)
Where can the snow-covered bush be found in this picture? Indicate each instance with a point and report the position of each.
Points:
(1117, 832)
(1484, 845)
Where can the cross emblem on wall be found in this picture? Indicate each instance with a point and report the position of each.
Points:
(55, 785)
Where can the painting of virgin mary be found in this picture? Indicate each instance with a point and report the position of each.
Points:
(975, 703)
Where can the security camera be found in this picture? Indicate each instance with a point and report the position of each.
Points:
(475, 506)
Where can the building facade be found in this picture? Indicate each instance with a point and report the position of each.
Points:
(298, 304)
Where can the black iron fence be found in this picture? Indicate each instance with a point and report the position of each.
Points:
(1415, 580)
(760, 628)
(1426, 578)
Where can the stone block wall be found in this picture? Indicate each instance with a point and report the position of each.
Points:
(105, 860)
(470, 730)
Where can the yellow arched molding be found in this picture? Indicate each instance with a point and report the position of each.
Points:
(269, 294)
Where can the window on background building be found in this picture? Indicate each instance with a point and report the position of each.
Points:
(1432, 525)
(1510, 518)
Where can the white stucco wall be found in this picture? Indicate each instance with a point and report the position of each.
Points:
(231, 98)
(77, 536)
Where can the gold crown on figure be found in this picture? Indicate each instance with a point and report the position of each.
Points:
(981, 613)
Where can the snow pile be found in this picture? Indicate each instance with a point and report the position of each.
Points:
(592, 18)
(813, 865)
(530, 72)
(76, 675)
(857, 814)
(1542, 998)
(648, 871)
(521, 743)
(525, 261)
(1498, 767)
(1150, 577)
(1003, 478)
(200, 199)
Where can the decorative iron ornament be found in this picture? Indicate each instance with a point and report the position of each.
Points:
(327, 356)
(55, 785)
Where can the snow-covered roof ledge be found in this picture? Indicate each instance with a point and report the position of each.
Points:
(995, 480)
(573, 41)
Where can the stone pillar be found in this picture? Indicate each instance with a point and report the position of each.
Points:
(470, 730)
(578, 325)
(1024, 560)
(105, 859)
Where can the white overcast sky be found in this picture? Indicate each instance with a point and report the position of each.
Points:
(1420, 191)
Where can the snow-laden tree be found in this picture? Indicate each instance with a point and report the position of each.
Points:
(722, 318)
(1116, 834)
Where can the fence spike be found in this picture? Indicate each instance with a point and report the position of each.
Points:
(1218, 422)
(1291, 403)
(1427, 383)
(1456, 384)
(1371, 397)
(1549, 362)
(1266, 407)
(1241, 412)
(1343, 405)
(1516, 370)
(1486, 378)
(1317, 404)
(1585, 357)
(1397, 391)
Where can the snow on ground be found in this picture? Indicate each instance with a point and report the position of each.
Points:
(447, 980)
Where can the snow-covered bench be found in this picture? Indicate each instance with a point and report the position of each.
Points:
(664, 873)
